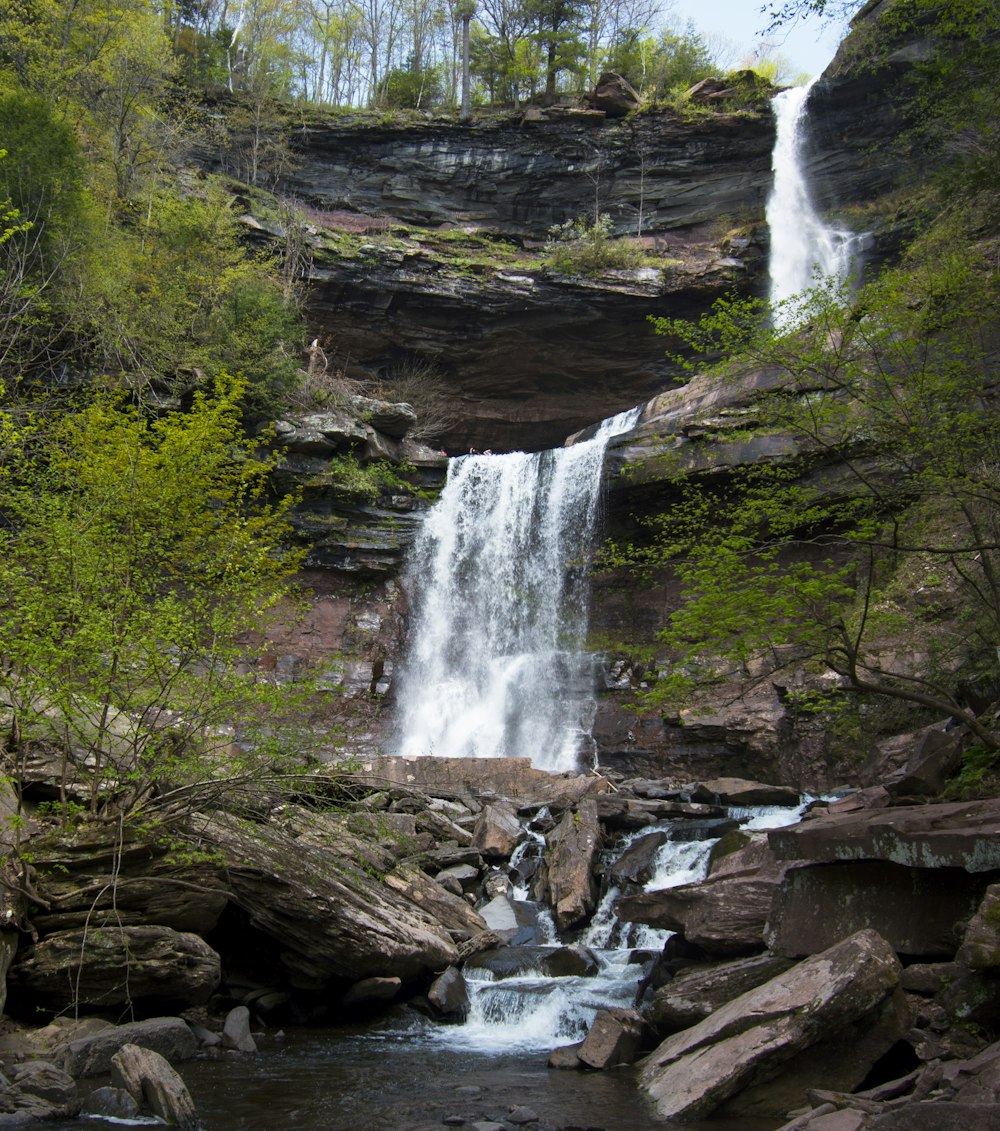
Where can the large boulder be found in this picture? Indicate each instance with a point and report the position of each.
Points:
(615, 95)
(91, 1055)
(742, 792)
(752, 1039)
(980, 947)
(569, 858)
(724, 914)
(340, 907)
(148, 1077)
(498, 831)
(918, 910)
(109, 967)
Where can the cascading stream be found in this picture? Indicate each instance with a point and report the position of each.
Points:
(804, 250)
(498, 575)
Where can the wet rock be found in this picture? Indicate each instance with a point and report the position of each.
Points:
(480, 942)
(91, 1055)
(741, 792)
(750, 1039)
(635, 864)
(111, 1103)
(615, 1037)
(723, 915)
(522, 1116)
(449, 995)
(929, 977)
(514, 921)
(498, 831)
(236, 1031)
(116, 966)
(916, 909)
(570, 853)
(566, 1056)
(695, 993)
(570, 961)
(146, 1076)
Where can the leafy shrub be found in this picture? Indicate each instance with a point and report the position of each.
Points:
(579, 248)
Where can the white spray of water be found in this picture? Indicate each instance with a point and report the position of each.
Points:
(803, 249)
(498, 573)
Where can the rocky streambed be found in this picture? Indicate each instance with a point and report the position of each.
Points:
(542, 950)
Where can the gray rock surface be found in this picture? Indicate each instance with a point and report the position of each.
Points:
(750, 1039)
(146, 1075)
(569, 857)
(171, 1037)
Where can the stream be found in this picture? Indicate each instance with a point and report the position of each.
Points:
(400, 1071)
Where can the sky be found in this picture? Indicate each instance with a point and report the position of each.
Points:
(808, 46)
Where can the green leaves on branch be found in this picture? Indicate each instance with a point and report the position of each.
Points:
(141, 568)
(871, 548)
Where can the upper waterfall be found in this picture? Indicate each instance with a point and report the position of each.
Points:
(804, 250)
(498, 583)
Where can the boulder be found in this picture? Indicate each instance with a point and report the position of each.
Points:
(565, 1056)
(980, 947)
(916, 909)
(570, 961)
(931, 1116)
(236, 1031)
(498, 831)
(698, 991)
(109, 967)
(394, 420)
(449, 995)
(569, 857)
(614, 1037)
(91, 1056)
(750, 1040)
(112, 1103)
(338, 906)
(723, 915)
(515, 921)
(935, 756)
(615, 95)
(44, 1081)
(372, 990)
(635, 864)
(147, 1077)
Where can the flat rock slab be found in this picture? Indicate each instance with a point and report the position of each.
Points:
(740, 791)
(750, 1039)
(696, 993)
(951, 835)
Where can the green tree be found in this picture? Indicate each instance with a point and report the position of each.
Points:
(884, 411)
(141, 565)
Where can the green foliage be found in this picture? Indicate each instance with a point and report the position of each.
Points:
(411, 88)
(887, 411)
(141, 568)
(660, 65)
(579, 248)
(366, 481)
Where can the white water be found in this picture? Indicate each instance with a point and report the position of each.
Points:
(495, 665)
(804, 250)
(531, 1012)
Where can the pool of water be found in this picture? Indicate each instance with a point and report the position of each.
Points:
(393, 1075)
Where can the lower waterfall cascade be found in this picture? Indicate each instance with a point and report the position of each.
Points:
(495, 664)
(804, 250)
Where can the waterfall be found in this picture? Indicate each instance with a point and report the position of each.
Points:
(803, 249)
(498, 580)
